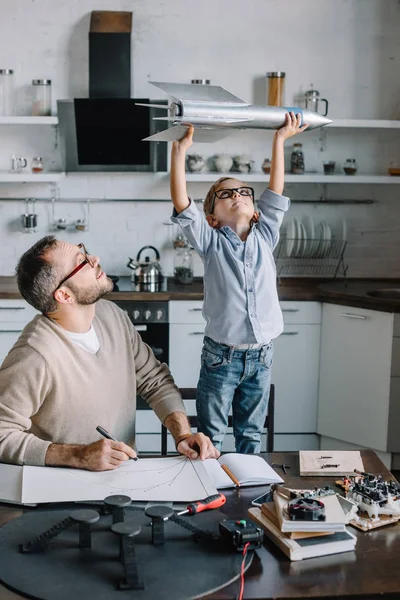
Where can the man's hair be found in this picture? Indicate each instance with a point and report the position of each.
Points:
(37, 277)
(210, 194)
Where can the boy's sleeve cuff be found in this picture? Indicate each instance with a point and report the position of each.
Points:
(186, 216)
(275, 200)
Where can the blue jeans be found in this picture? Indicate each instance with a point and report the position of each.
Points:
(238, 378)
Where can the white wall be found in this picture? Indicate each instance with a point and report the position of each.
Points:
(349, 50)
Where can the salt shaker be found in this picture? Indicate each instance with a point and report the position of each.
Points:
(37, 165)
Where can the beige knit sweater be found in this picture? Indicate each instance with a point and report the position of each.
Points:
(51, 390)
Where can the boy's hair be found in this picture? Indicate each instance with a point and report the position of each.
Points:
(208, 201)
(37, 278)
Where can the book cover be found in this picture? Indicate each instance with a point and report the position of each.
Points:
(299, 549)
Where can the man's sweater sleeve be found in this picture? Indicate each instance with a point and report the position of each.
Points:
(24, 383)
(154, 380)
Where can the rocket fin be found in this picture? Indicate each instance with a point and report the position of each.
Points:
(207, 135)
(206, 93)
(164, 106)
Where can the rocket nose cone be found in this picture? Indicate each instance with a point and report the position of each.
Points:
(315, 120)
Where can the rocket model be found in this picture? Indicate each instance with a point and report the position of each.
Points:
(215, 112)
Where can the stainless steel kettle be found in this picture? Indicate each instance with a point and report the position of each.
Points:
(147, 275)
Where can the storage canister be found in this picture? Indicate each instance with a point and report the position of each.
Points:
(7, 98)
(41, 106)
(276, 84)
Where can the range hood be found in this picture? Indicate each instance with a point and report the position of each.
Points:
(104, 132)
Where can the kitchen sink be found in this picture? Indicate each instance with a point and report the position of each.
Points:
(387, 293)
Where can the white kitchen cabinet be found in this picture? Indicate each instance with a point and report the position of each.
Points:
(295, 375)
(14, 315)
(355, 375)
(295, 372)
(186, 333)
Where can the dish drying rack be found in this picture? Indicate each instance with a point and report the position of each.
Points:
(310, 257)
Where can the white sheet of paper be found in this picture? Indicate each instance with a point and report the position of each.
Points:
(10, 483)
(217, 475)
(157, 479)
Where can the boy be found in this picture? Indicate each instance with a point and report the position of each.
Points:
(241, 303)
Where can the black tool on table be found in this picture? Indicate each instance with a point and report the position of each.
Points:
(282, 466)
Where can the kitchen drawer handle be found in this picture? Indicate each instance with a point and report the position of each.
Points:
(290, 333)
(10, 330)
(291, 310)
(141, 327)
(195, 309)
(353, 316)
(12, 307)
(197, 333)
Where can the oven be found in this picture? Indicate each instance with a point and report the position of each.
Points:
(151, 321)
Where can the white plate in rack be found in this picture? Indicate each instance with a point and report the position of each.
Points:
(309, 226)
(297, 236)
(321, 243)
(304, 245)
(290, 236)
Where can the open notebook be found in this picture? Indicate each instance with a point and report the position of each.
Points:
(231, 470)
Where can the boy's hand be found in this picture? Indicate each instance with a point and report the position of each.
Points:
(291, 126)
(184, 144)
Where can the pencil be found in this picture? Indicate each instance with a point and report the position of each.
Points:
(227, 471)
(105, 434)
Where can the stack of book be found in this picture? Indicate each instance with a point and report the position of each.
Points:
(300, 539)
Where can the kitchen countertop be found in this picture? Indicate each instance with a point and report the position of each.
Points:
(348, 292)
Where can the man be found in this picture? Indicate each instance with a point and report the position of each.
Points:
(78, 365)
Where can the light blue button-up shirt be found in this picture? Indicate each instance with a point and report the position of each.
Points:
(241, 303)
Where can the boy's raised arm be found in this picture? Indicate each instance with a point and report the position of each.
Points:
(177, 178)
(290, 128)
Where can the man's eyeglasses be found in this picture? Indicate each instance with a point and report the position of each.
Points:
(88, 260)
(226, 193)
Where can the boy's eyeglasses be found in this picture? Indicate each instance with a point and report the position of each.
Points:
(226, 193)
(87, 261)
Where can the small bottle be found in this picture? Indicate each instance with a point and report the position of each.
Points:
(7, 99)
(266, 166)
(350, 166)
(297, 160)
(41, 106)
(37, 165)
(183, 265)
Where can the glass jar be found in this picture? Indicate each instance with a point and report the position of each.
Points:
(37, 165)
(7, 98)
(297, 160)
(266, 166)
(350, 166)
(183, 265)
(41, 105)
(276, 84)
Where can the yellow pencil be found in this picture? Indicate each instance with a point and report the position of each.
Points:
(227, 471)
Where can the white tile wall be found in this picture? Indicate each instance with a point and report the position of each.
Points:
(349, 50)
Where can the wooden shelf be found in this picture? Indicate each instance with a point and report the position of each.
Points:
(289, 178)
(31, 177)
(28, 120)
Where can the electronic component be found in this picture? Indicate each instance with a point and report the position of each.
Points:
(306, 509)
(241, 532)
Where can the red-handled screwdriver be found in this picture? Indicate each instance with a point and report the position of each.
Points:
(209, 503)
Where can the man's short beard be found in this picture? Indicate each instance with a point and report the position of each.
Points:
(85, 297)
